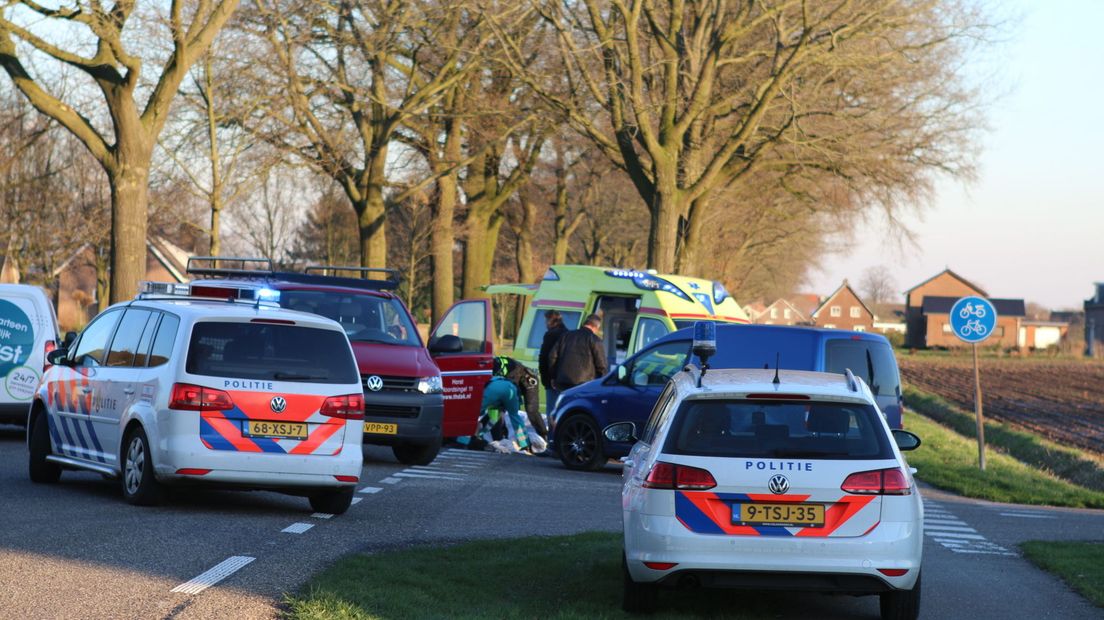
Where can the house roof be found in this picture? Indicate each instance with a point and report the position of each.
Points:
(781, 301)
(839, 290)
(1004, 307)
(805, 303)
(954, 275)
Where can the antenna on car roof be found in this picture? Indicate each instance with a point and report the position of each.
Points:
(777, 360)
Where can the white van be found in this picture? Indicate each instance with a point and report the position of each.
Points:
(28, 331)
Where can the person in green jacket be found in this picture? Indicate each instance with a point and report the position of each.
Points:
(501, 396)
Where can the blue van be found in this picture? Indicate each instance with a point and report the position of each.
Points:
(630, 390)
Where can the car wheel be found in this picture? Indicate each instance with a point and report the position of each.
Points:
(417, 454)
(334, 502)
(41, 470)
(901, 604)
(140, 486)
(579, 444)
(637, 598)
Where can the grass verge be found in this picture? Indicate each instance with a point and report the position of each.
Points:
(949, 461)
(563, 577)
(1066, 463)
(1080, 564)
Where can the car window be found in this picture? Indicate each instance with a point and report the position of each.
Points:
(648, 331)
(872, 361)
(141, 354)
(467, 321)
(93, 340)
(662, 405)
(656, 366)
(270, 351)
(127, 337)
(365, 318)
(537, 331)
(778, 429)
(163, 342)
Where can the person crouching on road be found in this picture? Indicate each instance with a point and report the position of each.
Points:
(579, 356)
(526, 382)
(501, 394)
(555, 329)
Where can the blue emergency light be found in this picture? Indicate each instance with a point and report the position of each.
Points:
(705, 344)
(267, 294)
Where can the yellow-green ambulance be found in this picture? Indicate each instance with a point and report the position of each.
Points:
(637, 307)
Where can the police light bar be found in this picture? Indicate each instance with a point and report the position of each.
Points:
(164, 288)
(648, 281)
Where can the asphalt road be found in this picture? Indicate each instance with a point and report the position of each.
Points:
(76, 550)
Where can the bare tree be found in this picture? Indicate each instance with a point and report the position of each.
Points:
(691, 98)
(877, 285)
(117, 72)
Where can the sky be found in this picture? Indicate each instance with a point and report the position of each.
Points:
(1032, 225)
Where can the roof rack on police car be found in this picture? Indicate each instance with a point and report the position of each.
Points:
(247, 266)
(311, 275)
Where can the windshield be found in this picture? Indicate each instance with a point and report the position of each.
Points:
(366, 318)
(269, 351)
(778, 429)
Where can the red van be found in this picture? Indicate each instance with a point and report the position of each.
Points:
(414, 397)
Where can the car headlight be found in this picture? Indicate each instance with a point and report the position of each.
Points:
(430, 385)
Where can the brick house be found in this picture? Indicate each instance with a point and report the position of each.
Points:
(928, 307)
(1094, 323)
(782, 312)
(843, 309)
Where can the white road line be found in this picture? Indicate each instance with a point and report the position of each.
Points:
(427, 476)
(297, 528)
(427, 467)
(391, 480)
(356, 500)
(370, 490)
(472, 454)
(982, 552)
(322, 515)
(213, 575)
(938, 535)
(443, 472)
(928, 521)
(1027, 515)
(953, 528)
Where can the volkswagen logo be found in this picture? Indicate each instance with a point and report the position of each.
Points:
(277, 404)
(778, 484)
(374, 383)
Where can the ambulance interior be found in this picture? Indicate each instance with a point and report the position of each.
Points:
(618, 314)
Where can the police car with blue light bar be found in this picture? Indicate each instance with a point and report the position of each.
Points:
(761, 478)
(175, 389)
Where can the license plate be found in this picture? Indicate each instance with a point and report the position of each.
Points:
(803, 515)
(278, 430)
(380, 428)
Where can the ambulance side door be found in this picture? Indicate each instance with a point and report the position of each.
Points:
(462, 345)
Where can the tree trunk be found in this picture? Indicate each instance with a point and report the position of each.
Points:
(442, 239)
(689, 254)
(216, 166)
(524, 255)
(129, 214)
(663, 232)
(373, 235)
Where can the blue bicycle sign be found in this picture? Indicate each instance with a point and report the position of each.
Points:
(973, 319)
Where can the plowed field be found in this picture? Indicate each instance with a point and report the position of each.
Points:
(1060, 399)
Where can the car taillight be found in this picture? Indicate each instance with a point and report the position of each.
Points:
(670, 476)
(878, 482)
(189, 397)
(348, 407)
(49, 348)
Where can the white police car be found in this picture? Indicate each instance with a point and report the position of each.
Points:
(168, 390)
(739, 480)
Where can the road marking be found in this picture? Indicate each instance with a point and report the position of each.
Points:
(953, 528)
(322, 515)
(356, 500)
(938, 535)
(391, 480)
(467, 453)
(416, 475)
(426, 468)
(943, 522)
(1027, 515)
(213, 575)
(297, 528)
(370, 490)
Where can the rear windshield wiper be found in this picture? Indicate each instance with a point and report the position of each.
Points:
(291, 376)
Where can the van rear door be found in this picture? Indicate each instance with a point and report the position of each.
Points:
(466, 368)
(874, 362)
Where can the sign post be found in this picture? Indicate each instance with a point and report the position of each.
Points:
(973, 319)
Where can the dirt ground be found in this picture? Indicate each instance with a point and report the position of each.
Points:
(1062, 399)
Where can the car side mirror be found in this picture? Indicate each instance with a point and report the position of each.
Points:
(70, 337)
(621, 432)
(446, 344)
(58, 357)
(905, 440)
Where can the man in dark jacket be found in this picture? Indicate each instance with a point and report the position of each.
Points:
(579, 356)
(554, 330)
